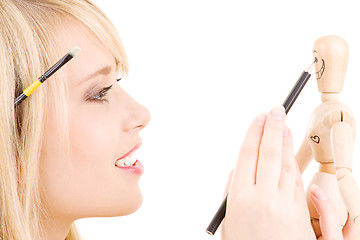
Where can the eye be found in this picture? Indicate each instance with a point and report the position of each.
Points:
(100, 96)
(118, 80)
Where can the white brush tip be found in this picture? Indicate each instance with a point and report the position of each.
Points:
(74, 51)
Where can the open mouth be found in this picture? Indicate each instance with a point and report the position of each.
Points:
(321, 70)
(127, 161)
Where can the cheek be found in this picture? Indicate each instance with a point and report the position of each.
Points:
(93, 141)
(95, 146)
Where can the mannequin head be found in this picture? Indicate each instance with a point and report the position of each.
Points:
(331, 55)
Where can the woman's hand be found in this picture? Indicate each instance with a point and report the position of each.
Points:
(266, 196)
(329, 221)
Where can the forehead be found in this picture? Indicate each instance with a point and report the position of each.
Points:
(93, 54)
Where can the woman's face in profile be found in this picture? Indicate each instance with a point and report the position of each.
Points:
(104, 125)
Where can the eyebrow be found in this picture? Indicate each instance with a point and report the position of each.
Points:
(102, 71)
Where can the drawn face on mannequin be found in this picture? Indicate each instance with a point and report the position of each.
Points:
(101, 128)
(319, 64)
(331, 55)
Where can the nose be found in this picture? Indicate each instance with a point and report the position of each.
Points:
(140, 117)
(137, 115)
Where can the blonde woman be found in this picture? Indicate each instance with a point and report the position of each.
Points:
(59, 147)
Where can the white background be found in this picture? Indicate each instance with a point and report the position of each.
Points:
(205, 69)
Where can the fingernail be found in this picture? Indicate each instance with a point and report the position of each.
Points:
(286, 132)
(278, 113)
(318, 192)
(260, 120)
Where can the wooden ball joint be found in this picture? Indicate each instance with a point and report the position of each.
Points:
(330, 135)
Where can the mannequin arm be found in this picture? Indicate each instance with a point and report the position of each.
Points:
(304, 155)
(342, 141)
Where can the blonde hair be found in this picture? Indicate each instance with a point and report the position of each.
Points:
(28, 47)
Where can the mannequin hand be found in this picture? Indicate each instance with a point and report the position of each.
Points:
(329, 221)
(266, 196)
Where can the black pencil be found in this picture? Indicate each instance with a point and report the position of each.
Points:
(289, 101)
(24, 94)
(298, 87)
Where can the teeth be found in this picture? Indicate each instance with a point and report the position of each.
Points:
(128, 161)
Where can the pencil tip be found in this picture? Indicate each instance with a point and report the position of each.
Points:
(310, 68)
(75, 51)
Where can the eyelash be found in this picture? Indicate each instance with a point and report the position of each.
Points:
(99, 97)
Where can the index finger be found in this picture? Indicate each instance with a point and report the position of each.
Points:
(245, 169)
(271, 149)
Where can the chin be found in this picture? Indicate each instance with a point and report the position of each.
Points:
(133, 206)
(129, 205)
(113, 207)
(123, 203)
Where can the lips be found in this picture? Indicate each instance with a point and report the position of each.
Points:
(132, 150)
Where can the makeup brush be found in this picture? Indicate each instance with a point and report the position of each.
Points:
(46, 75)
(289, 101)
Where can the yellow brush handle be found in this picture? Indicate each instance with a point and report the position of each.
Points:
(31, 88)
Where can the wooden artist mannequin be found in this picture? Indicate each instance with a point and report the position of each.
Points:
(330, 134)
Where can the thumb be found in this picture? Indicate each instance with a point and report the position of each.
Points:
(329, 220)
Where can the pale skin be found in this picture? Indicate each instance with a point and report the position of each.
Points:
(266, 194)
(89, 185)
